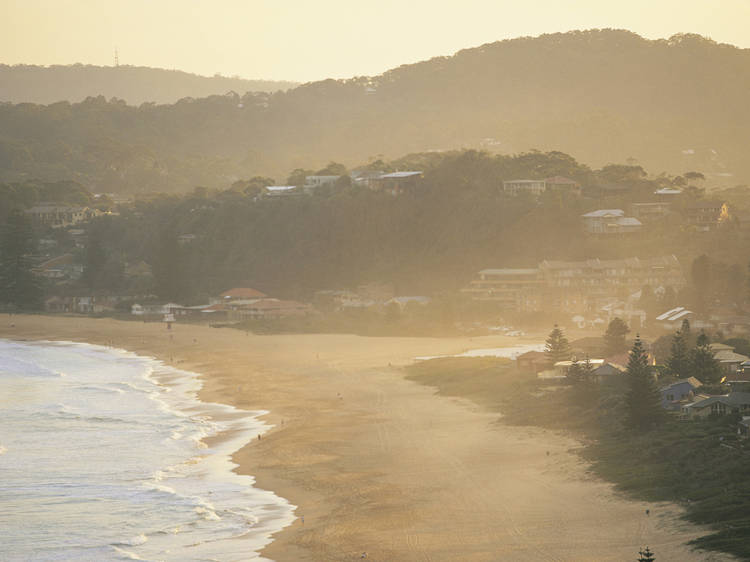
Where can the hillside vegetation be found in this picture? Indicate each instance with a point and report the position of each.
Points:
(25, 83)
(604, 95)
(432, 238)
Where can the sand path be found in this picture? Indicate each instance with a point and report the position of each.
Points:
(382, 465)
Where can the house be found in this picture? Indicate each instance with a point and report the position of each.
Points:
(668, 192)
(364, 177)
(730, 361)
(313, 182)
(672, 319)
(650, 212)
(396, 183)
(514, 187)
(610, 221)
(573, 286)
(532, 361)
(237, 293)
(56, 216)
(512, 288)
(83, 305)
(674, 395)
(280, 191)
(578, 286)
(706, 215)
(732, 403)
(607, 370)
(563, 185)
(267, 308)
(602, 370)
(59, 268)
(156, 309)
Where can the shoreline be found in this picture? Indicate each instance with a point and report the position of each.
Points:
(382, 465)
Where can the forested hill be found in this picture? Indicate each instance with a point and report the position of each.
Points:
(134, 84)
(603, 96)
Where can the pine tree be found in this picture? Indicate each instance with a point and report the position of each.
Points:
(703, 365)
(643, 401)
(557, 347)
(685, 330)
(19, 287)
(679, 360)
(646, 555)
(614, 337)
(581, 371)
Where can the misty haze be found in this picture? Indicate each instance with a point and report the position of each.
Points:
(482, 295)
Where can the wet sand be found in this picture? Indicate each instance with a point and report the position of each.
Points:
(382, 465)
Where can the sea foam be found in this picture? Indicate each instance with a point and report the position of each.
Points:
(108, 463)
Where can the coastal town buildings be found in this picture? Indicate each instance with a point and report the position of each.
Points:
(707, 215)
(573, 286)
(610, 221)
(58, 216)
(534, 187)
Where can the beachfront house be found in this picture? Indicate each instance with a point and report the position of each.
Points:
(675, 395)
(266, 308)
(532, 362)
(237, 293)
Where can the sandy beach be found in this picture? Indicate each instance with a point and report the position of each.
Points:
(382, 465)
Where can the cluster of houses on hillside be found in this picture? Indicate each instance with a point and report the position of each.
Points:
(573, 286)
(702, 216)
(595, 291)
(395, 183)
(57, 216)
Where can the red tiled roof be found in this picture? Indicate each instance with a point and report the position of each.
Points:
(242, 293)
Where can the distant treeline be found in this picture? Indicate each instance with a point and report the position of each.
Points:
(22, 83)
(432, 238)
(606, 96)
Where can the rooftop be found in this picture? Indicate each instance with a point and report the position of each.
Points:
(605, 213)
(396, 175)
(242, 293)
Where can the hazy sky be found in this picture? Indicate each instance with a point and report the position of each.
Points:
(306, 40)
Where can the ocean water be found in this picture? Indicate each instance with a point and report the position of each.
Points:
(102, 458)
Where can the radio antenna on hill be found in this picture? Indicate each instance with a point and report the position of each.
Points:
(117, 58)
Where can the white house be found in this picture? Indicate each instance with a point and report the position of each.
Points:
(610, 221)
